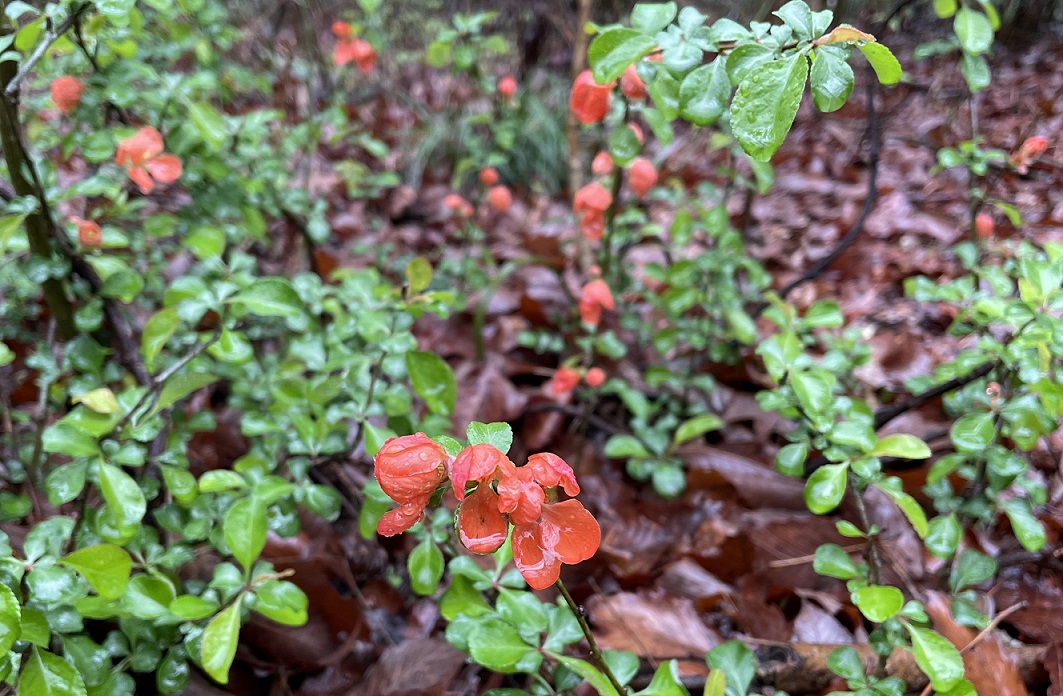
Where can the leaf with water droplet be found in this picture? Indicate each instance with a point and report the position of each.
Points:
(766, 103)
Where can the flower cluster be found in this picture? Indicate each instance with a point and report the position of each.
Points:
(493, 493)
(565, 379)
(1030, 149)
(142, 156)
(351, 49)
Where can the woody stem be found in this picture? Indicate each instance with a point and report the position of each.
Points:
(577, 611)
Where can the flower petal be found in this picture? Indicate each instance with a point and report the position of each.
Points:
(477, 463)
(550, 470)
(569, 531)
(539, 567)
(165, 168)
(401, 518)
(481, 527)
(410, 467)
(142, 179)
(521, 496)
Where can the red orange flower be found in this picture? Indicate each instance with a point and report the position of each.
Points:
(595, 297)
(602, 164)
(983, 225)
(409, 469)
(632, 85)
(563, 381)
(590, 204)
(66, 92)
(507, 86)
(641, 176)
(564, 533)
(482, 527)
(480, 463)
(488, 176)
(595, 377)
(142, 156)
(499, 198)
(589, 101)
(351, 49)
(1028, 152)
(89, 233)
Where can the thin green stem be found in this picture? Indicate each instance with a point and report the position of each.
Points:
(585, 627)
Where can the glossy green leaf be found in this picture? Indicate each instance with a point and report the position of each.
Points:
(972, 432)
(245, 530)
(270, 297)
(63, 437)
(704, 93)
(908, 505)
(192, 607)
(831, 79)
(498, 435)
(650, 17)
(696, 427)
(737, 662)
(944, 8)
(425, 565)
(943, 535)
(937, 657)
(220, 638)
(790, 460)
(433, 380)
(282, 601)
(971, 568)
(885, 64)
(833, 561)
(902, 446)
(179, 386)
(497, 645)
(612, 51)
(45, 674)
(418, 275)
(766, 103)
(716, 684)
(105, 566)
(157, 331)
(826, 488)
(123, 496)
(1027, 528)
(209, 124)
(973, 30)
(878, 602)
(10, 619)
(589, 672)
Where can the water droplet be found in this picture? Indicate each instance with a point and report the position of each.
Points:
(756, 78)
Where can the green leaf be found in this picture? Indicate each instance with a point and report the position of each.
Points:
(192, 607)
(498, 435)
(976, 71)
(878, 602)
(624, 146)
(696, 427)
(766, 103)
(798, 16)
(973, 432)
(737, 662)
(270, 297)
(433, 380)
(245, 528)
(148, 597)
(10, 619)
(209, 124)
(973, 30)
(232, 347)
(972, 568)
(716, 684)
(612, 51)
(903, 446)
(425, 565)
(462, 598)
(846, 663)
(625, 447)
(937, 657)
(831, 79)
(418, 275)
(179, 386)
(885, 64)
(105, 566)
(943, 535)
(65, 483)
(123, 495)
(908, 505)
(282, 601)
(46, 674)
(157, 332)
(63, 437)
(813, 389)
(589, 672)
(101, 400)
(497, 645)
(704, 93)
(833, 561)
(1028, 529)
(826, 488)
(944, 8)
(651, 17)
(220, 638)
(790, 460)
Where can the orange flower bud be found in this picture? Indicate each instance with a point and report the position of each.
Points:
(595, 377)
(589, 100)
(564, 380)
(500, 198)
(507, 86)
(983, 225)
(89, 233)
(641, 176)
(488, 176)
(632, 85)
(66, 93)
(602, 164)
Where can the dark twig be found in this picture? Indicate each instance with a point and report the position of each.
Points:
(47, 40)
(585, 627)
(885, 415)
(874, 144)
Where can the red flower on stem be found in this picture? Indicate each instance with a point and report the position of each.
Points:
(1027, 153)
(563, 381)
(595, 377)
(641, 176)
(409, 469)
(142, 156)
(500, 198)
(589, 101)
(89, 233)
(507, 86)
(595, 297)
(632, 85)
(66, 93)
(564, 533)
(590, 204)
(351, 49)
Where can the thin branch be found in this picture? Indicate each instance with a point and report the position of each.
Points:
(885, 415)
(585, 627)
(46, 41)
